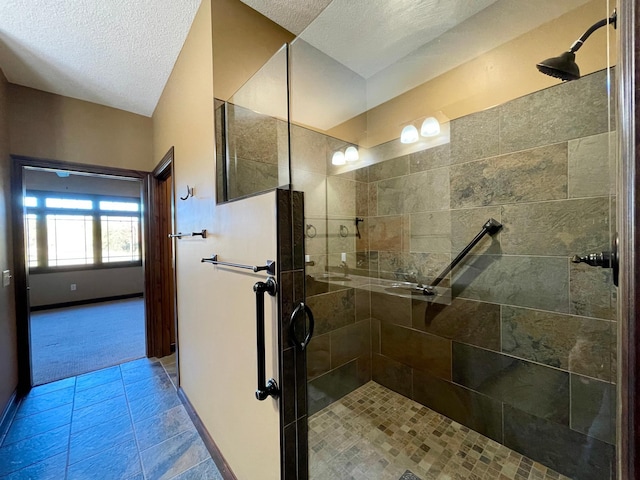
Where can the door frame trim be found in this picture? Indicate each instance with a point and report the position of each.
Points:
(20, 274)
(628, 219)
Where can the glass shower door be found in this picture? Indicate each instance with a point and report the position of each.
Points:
(508, 366)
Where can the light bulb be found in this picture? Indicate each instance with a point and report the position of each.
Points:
(338, 158)
(430, 127)
(351, 154)
(409, 134)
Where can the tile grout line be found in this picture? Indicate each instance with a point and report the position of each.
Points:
(73, 402)
(133, 427)
(188, 469)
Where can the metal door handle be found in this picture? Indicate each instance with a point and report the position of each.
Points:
(268, 387)
(301, 309)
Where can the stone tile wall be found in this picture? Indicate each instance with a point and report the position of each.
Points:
(255, 151)
(525, 352)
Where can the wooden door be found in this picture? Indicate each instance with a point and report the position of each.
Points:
(160, 291)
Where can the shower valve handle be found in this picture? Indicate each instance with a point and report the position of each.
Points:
(602, 259)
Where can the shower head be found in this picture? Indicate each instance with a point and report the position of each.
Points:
(564, 66)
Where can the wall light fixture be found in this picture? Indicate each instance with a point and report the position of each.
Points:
(430, 127)
(409, 134)
(351, 154)
(338, 158)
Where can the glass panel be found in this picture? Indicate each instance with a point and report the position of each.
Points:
(30, 202)
(252, 134)
(120, 241)
(119, 206)
(68, 203)
(70, 239)
(458, 138)
(32, 239)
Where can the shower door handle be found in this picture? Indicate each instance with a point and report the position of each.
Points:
(268, 387)
(301, 310)
(603, 259)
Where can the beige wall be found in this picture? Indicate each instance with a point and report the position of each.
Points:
(216, 306)
(50, 126)
(55, 288)
(243, 40)
(8, 345)
(500, 75)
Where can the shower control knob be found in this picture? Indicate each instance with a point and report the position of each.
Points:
(602, 259)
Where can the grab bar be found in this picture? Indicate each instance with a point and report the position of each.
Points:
(491, 227)
(202, 234)
(269, 267)
(269, 387)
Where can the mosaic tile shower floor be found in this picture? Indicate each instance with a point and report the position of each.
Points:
(376, 434)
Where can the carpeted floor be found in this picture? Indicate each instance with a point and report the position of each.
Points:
(71, 341)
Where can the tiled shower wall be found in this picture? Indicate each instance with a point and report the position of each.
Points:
(339, 356)
(525, 352)
(257, 153)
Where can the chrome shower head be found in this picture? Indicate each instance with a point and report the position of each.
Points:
(564, 66)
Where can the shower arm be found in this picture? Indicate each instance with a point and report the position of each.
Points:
(490, 227)
(605, 21)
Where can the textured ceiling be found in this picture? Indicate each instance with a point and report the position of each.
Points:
(118, 53)
(292, 15)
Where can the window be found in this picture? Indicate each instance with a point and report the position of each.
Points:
(81, 230)
(69, 240)
(120, 206)
(68, 203)
(32, 243)
(119, 239)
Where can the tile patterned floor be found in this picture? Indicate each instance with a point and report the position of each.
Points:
(376, 434)
(122, 423)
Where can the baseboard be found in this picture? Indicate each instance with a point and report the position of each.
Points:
(216, 455)
(86, 302)
(8, 413)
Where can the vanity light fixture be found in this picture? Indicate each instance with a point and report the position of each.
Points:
(409, 134)
(351, 154)
(338, 158)
(430, 127)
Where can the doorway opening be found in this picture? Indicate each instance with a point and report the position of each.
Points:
(81, 263)
(86, 280)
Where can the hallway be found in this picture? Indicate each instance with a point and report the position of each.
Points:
(123, 422)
